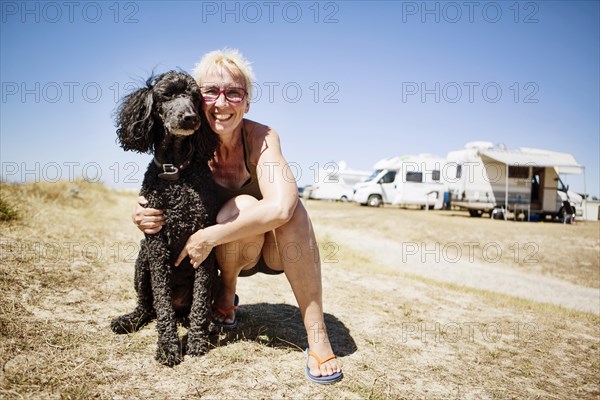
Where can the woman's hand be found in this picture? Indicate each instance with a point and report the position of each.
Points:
(148, 220)
(197, 248)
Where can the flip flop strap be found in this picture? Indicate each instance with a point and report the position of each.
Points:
(224, 312)
(319, 360)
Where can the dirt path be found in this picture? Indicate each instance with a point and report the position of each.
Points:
(435, 263)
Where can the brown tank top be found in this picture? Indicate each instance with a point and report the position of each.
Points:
(250, 187)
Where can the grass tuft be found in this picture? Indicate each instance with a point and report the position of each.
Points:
(7, 211)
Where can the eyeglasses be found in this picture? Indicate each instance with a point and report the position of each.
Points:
(235, 95)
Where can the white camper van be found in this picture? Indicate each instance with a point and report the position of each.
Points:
(483, 178)
(404, 181)
(335, 181)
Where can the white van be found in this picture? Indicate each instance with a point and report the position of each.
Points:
(334, 182)
(412, 180)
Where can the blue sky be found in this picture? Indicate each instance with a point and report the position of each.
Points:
(355, 81)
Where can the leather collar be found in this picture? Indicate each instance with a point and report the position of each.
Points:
(170, 171)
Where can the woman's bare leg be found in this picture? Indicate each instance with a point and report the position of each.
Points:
(291, 248)
(235, 256)
(299, 257)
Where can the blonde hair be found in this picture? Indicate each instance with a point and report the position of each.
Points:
(232, 61)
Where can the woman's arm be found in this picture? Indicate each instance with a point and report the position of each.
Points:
(280, 197)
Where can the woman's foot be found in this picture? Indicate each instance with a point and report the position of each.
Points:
(320, 346)
(224, 308)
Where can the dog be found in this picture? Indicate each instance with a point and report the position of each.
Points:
(165, 118)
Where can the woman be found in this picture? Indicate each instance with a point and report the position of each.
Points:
(261, 212)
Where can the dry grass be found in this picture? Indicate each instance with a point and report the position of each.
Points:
(567, 252)
(66, 267)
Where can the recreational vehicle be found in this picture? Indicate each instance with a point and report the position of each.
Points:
(334, 182)
(483, 178)
(413, 180)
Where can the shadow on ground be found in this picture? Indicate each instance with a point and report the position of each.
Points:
(280, 326)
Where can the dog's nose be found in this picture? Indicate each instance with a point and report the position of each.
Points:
(191, 118)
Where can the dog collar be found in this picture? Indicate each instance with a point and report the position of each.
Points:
(170, 171)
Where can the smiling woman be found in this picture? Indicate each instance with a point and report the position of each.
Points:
(260, 213)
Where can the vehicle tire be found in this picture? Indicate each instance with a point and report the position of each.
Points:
(344, 199)
(565, 216)
(375, 200)
(475, 213)
(498, 213)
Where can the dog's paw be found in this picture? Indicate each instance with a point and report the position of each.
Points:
(130, 323)
(197, 347)
(122, 325)
(169, 355)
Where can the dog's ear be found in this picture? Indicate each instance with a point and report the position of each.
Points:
(136, 128)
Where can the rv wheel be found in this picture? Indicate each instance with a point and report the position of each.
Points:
(375, 200)
(344, 199)
(567, 217)
(475, 213)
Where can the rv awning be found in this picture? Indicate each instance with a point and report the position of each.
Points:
(564, 163)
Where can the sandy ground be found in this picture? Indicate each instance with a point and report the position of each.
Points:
(431, 261)
(409, 320)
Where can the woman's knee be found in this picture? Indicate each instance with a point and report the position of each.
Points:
(243, 253)
(239, 255)
(231, 209)
(298, 226)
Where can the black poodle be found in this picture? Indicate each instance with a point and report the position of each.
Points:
(166, 118)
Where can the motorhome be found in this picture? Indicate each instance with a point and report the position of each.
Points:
(411, 180)
(483, 178)
(334, 182)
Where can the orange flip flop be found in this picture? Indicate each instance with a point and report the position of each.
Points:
(225, 313)
(324, 380)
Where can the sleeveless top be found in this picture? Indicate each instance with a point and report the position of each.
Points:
(250, 187)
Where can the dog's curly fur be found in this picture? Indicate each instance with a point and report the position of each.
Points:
(165, 118)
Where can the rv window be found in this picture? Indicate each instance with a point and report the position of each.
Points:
(435, 175)
(373, 175)
(458, 171)
(561, 186)
(414, 177)
(388, 178)
(517, 172)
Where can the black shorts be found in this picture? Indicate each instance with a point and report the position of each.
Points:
(261, 266)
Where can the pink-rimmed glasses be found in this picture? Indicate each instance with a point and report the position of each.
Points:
(235, 95)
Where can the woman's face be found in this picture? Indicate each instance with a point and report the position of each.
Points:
(224, 116)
